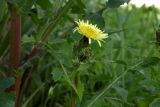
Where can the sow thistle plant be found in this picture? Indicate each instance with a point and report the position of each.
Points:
(90, 31)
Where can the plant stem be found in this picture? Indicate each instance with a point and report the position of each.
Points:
(72, 103)
(15, 47)
(15, 38)
(49, 29)
(76, 81)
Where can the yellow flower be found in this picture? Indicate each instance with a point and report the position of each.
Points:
(90, 31)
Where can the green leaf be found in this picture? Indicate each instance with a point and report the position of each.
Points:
(4, 45)
(80, 89)
(57, 74)
(34, 17)
(7, 99)
(28, 39)
(26, 7)
(6, 83)
(78, 7)
(4, 24)
(149, 85)
(116, 3)
(64, 58)
(97, 18)
(45, 5)
(150, 61)
(2, 8)
(122, 92)
(120, 62)
(155, 103)
(80, 3)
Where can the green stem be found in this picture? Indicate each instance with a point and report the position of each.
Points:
(76, 81)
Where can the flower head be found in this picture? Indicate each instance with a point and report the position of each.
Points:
(90, 31)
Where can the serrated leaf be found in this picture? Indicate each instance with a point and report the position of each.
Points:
(116, 3)
(6, 83)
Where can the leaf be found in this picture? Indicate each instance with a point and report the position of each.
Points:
(64, 58)
(155, 103)
(4, 45)
(26, 7)
(82, 68)
(7, 99)
(122, 92)
(116, 3)
(45, 5)
(149, 85)
(78, 7)
(6, 83)
(4, 24)
(144, 73)
(27, 39)
(80, 3)
(2, 8)
(150, 61)
(120, 62)
(34, 16)
(57, 74)
(80, 89)
(96, 18)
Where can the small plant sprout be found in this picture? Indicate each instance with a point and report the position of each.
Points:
(90, 31)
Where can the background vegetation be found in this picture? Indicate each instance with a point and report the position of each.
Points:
(44, 64)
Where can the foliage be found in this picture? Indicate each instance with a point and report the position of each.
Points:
(64, 71)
